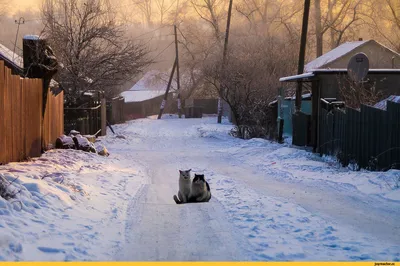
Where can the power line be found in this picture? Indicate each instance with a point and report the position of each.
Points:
(162, 51)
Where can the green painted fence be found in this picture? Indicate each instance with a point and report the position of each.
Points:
(368, 137)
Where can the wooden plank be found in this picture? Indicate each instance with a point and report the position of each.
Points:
(29, 110)
(7, 117)
(2, 116)
(19, 118)
(61, 113)
(46, 123)
(39, 116)
(25, 118)
(32, 109)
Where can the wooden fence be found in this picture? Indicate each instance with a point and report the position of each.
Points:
(115, 110)
(23, 131)
(369, 137)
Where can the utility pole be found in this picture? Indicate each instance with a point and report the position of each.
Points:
(19, 22)
(228, 23)
(302, 52)
(177, 73)
(166, 92)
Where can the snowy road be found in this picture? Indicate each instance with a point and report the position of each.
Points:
(273, 218)
(270, 202)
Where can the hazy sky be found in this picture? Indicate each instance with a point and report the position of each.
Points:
(34, 5)
(24, 4)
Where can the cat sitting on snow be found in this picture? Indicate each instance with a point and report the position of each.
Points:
(190, 191)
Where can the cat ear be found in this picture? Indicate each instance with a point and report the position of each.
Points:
(180, 171)
(189, 170)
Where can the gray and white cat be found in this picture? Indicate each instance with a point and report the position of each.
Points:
(185, 184)
(200, 190)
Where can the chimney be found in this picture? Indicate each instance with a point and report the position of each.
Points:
(360, 39)
(39, 62)
(33, 50)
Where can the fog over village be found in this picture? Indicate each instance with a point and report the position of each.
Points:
(200, 130)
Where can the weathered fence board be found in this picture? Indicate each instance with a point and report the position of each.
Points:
(23, 130)
(115, 110)
(53, 122)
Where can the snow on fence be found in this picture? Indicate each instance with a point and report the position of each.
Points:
(369, 137)
(24, 132)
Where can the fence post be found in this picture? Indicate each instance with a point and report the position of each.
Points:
(103, 117)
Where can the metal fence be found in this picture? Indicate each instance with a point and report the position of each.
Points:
(368, 137)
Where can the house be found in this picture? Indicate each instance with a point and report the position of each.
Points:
(327, 74)
(380, 57)
(146, 96)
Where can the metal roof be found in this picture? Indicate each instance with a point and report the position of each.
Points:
(383, 104)
(332, 55)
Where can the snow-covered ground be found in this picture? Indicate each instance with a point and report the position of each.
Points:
(269, 201)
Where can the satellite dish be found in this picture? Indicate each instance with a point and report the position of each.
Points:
(358, 67)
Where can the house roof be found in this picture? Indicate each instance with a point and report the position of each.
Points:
(383, 104)
(333, 55)
(311, 75)
(151, 85)
(11, 57)
(303, 76)
(141, 95)
(153, 80)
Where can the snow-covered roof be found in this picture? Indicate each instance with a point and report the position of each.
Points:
(332, 55)
(296, 77)
(383, 104)
(31, 37)
(11, 57)
(370, 71)
(311, 74)
(153, 80)
(141, 95)
(306, 96)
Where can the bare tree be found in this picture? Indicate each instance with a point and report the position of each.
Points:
(145, 6)
(269, 16)
(165, 7)
(4, 6)
(250, 80)
(212, 12)
(354, 94)
(336, 17)
(384, 19)
(91, 47)
(195, 49)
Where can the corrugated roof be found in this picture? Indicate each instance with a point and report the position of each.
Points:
(383, 104)
(332, 55)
